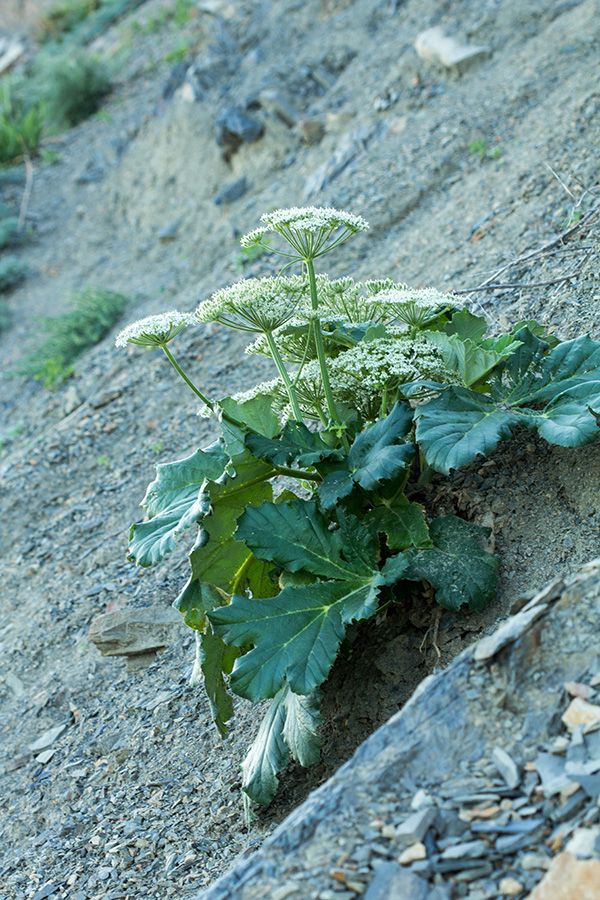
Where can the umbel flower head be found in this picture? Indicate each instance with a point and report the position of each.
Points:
(362, 374)
(415, 307)
(155, 331)
(255, 304)
(310, 230)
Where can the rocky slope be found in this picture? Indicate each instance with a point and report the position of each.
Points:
(463, 172)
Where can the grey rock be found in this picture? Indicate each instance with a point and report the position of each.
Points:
(169, 232)
(392, 882)
(507, 767)
(467, 850)
(232, 191)
(415, 827)
(592, 744)
(517, 826)
(434, 45)
(551, 770)
(48, 737)
(275, 102)
(45, 891)
(590, 784)
(351, 145)
(517, 625)
(236, 127)
(131, 631)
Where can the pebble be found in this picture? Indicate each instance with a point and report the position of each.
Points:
(510, 887)
(506, 766)
(412, 854)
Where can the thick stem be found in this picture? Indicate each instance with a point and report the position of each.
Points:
(312, 280)
(284, 376)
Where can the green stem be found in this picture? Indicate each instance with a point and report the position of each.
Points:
(241, 572)
(189, 383)
(331, 409)
(231, 419)
(284, 376)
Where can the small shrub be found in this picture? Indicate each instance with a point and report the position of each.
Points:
(20, 128)
(12, 272)
(10, 233)
(76, 84)
(4, 315)
(62, 18)
(68, 336)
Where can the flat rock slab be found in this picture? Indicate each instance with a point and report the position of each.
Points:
(434, 45)
(453, 722)
(136, 631)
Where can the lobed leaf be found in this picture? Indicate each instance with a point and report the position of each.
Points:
(456, 566)
(295, 444)
(173, 502)
(217, 658)
(295, 536)
(295, 635)
(403, 523)
(455, 427)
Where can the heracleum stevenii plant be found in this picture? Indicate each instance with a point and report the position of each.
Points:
(393, 382)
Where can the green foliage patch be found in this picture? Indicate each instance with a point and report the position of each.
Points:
(95, 312)
(377, 385)
(74, 84)
(21, 128)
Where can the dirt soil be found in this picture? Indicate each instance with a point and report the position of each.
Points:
(140, 797)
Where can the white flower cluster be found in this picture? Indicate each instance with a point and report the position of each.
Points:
(312, 219)
(363, 373)
(255, 304)
(155, 331)
(414, 306)
(252, 238)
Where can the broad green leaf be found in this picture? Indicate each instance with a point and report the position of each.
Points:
(295, 535)
(296, 444)
(177, 483)
(467, 326)
(217, 562)
(456, 566)
(215, 658)
(472, 361)
(569, 364)
(291, 720)
(295, 635)
(520, 366)
(173, 502)
(216, 557)
(568, 420)
(538, 330)
(380, 452)
(195, 600)
(403, 523)
(260, 578)
(268, 753)
(334, 488)
(455, 427)
(302, 719)
(256, 413)
(377, 455)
